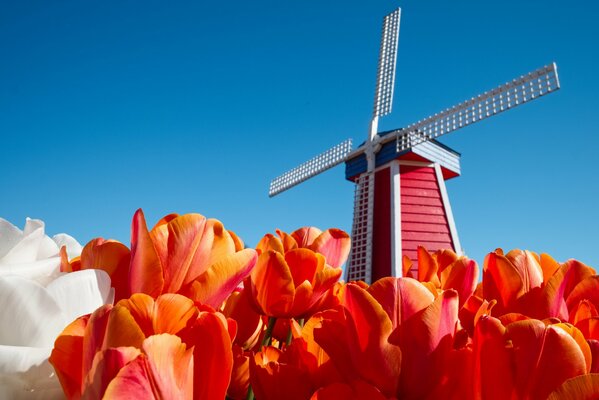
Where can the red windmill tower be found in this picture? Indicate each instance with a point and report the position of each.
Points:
(400, 198)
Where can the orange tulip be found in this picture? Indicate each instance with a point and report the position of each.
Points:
(108, 255)
(179, 346)
(187, 254)
(530, 359)
(443, 270)
(333, 244)
(290, 284)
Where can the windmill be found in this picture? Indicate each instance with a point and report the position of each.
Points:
(400, 199)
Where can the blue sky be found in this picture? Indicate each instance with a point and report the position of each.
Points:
(106, 107)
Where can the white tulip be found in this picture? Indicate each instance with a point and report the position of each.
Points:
(37, 302)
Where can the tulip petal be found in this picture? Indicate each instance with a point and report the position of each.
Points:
(427, 267)
(10, 235)
(586, 289)
(32, 245)
(334, 245)
(166, 372)
(220, 279)
(67, 357)
(25, 371)
(169, 313)
(287, 240)
(270, 242)
(461, 275)
(105, 367)
(489, 346)
(305, 236)
(91, 288)
(177, 244)
(272, 284)
(580, 340)
(544, 356)
(426, 340)
(239, 245)
(584, 310)
(377, 361)
(528, 268)
(501, 282)
(400, 297)
(240, 374)
(583, 387)
(548, 265)
(39, 319)
(213, 356)
(145, 273)
(112, 257)
(171, 365)
(122, 329)
(558, 290)
(238, 307)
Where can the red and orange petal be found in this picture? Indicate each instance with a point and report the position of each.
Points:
(400, 297)
(368, 328)
(583, 387)
(214, 285)
(305, 236)
(271, 284)
(334, 245)
(502, 282)
(584, 310)
(213, 355)
(270, 242)
(240, 374)
(66, 357)
(490, 348)
(273, 378)
(249, 322)
(168, 313)
(544, 357)
(427, 267)
(145, 272)
(426, 339)
(165, 371)
(112, 257)
(461, 275)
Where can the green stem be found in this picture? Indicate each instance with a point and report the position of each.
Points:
(268, 334)
(250, 395)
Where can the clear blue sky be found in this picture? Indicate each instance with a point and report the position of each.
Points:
(109, 106)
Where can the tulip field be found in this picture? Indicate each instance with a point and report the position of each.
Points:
(187, 310)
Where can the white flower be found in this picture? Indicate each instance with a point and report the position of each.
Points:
(37, 302)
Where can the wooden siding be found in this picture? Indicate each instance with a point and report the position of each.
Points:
(423, 217)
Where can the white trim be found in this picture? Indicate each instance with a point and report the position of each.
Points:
(450, 221)
(396, 249)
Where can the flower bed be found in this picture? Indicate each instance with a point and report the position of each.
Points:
(192, 313)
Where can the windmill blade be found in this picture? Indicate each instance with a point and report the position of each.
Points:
(335, 155)
(509, 95)
(385, 80)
